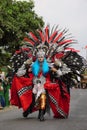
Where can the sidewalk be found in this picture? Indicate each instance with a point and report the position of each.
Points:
(7, 108)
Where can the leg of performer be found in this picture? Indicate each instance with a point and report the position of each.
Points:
(42, 107)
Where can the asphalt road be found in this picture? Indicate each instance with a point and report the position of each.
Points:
(11, 118)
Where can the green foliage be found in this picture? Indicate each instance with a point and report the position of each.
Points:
(84, 71)
(16, 18)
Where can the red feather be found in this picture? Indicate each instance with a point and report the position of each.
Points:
(41, 35)
(28, 40)
(57, 38)
(17, 52)
(52, 36)
(72, 49)
(33, 36)
(60, 55)
(47, 33)
(65, 41)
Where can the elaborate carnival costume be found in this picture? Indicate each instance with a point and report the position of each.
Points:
(43, 73)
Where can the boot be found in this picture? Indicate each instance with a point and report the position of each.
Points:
(41, 115)
(27, 112)
(40, 112)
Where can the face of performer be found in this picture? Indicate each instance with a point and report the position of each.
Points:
(40, 58)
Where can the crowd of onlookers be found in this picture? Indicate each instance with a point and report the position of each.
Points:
(4, 90)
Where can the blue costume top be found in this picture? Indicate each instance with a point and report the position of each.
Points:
(36, 67)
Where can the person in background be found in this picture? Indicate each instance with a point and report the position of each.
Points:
(2, 74)
(2, 99)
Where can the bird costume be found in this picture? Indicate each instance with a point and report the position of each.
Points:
(44, 69)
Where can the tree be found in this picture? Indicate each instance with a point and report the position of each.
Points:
(16, 18)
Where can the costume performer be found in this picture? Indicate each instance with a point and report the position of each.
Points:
(43, 73)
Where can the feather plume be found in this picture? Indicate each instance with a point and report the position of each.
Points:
(33, 36)
(58, 37)
(41, 35)
(28, 40)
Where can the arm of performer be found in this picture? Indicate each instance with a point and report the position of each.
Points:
(26, 67)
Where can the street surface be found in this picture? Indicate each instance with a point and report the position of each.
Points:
(11, 118)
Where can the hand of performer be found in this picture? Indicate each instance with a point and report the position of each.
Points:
(29, 70)
(54, 69)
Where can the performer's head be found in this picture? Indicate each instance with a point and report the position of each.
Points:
(41, 60)
(40, 55)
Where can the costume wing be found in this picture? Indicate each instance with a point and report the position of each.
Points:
(76, 64)
(21, 58)
(73, 61)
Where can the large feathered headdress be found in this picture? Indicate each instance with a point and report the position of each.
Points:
(53, 43)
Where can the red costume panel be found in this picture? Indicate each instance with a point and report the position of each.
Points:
(21, 95)
(21, 92)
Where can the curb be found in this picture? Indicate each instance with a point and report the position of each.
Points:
(7, 108)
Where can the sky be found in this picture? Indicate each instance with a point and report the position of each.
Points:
(70, 14)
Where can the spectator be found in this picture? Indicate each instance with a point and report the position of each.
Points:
(2, 75)
(2, 100)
